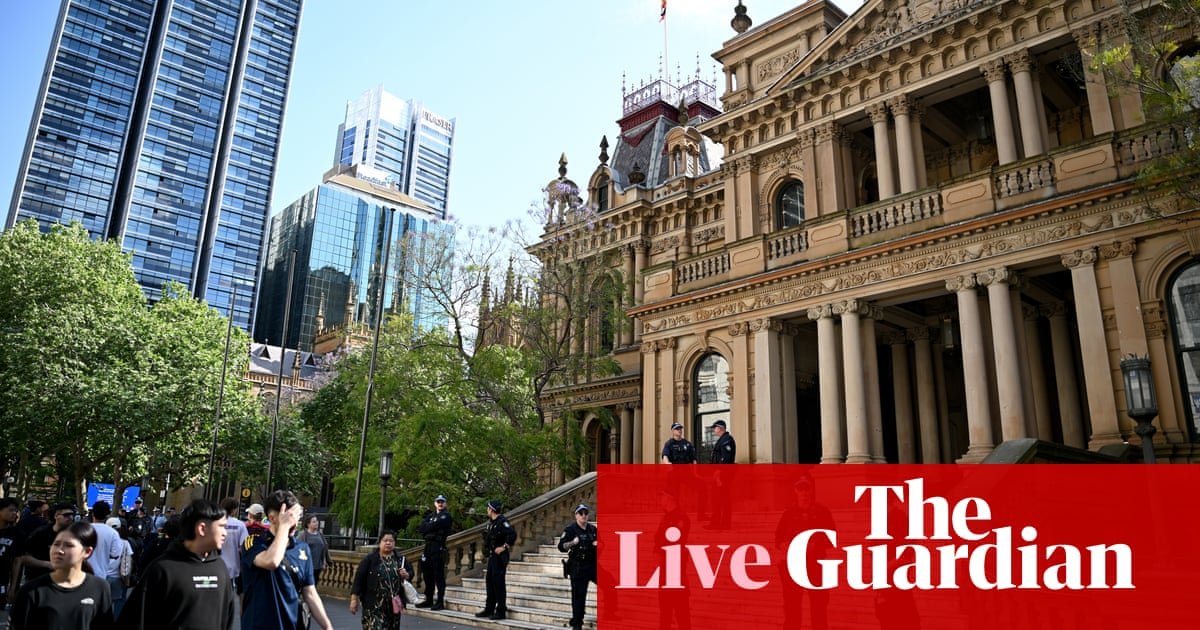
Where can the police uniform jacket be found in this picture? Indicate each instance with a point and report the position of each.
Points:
(679, 451)
(435, 528)
(584, 553)
(498, 533)
(725, 450)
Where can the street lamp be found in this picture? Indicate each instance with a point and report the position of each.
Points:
(1141, 405)
(385, 474)
(210, 488)
(287, 323)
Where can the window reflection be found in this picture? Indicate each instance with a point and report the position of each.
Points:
(710, 386)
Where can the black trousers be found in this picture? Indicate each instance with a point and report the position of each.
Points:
(497, 591)
(580, 576)
(433, 572)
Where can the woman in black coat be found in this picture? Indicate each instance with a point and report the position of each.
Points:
(378, 582)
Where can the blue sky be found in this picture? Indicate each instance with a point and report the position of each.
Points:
(525, 81)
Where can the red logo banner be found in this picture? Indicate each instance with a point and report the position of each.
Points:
(786, 546)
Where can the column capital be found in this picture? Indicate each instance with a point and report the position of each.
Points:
(964, 282)
(920, 333)
(737, 330)
(900, 105)
(895, 338)
(681, 393)
(1030, 312)
(627, 250)
(766, 323)
(666, 344)
(878, 112)
(993, 70)
(1079, 257)
(1020, 61)
(855, 307)
(1053, 309)
(1086, 36)
(1119, 249)
(997, 275)
(827, 132)
(806, 137)
(820, 312)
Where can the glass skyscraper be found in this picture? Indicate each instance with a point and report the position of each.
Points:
(399, 142)
(157, 124)
(338, 231)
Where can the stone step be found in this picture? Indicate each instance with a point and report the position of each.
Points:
(553, 559)
(531, 614)
(523, 568)
(558, 602)
(468, 619)
(525, 584)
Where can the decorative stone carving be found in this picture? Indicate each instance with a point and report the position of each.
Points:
(738, 329)
(708, 234)
(999, 275)
(895, 338)
(681, 393)
(964, 282)
(1020, 61)
(820, 312)
(993, 70)
(878, 112)
(1120, 249)
(806, 137)
(1155, 321)
(649, 347)
(662, 245)
(776, 65)
(1079, 257)
(1030, 312)
(901, 105)
(1053, 309)
(920, 333)
(666, 344)
(766, 323)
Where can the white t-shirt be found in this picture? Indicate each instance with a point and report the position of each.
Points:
(106, 559)
(231, 551)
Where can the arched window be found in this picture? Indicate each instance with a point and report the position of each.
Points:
(710, 386)
(1184, 72)
(1185, 323)
(789, 205)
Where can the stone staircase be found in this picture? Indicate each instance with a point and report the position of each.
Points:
(539, 597)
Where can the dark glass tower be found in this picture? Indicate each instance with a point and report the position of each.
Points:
(157, 124)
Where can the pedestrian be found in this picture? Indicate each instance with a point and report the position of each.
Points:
(159, 520)
(498, 539)
(106, 559)
(37, 549)
(33, 517)
(277, 571)
(378, 587)
(435, 528)
(159, 542)
(578, 540)
(125, 562)
(235, 538)
(804, 514)
(67, 598)
(255, 514)
(12, 547)
(678, 450)
(316, 541)
(724, 451)
(187, 586)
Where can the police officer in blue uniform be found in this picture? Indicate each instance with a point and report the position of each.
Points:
(678, 450)
(578, 540)
(498, 539)
(435, 528)
(725, 449)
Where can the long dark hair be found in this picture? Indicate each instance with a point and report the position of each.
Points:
(83, 532)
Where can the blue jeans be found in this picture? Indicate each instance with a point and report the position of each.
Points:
(117, 587)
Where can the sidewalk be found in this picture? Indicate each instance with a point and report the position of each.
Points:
(339, 614)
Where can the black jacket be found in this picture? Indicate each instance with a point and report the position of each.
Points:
(435, 528)
(584, 553)
(366, 578)
(498, 533)
(181, 590)
(725, 450)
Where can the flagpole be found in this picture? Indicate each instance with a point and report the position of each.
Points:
(666, 57)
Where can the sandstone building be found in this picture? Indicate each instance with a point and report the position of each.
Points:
(922, 235)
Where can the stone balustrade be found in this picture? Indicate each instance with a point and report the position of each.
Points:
(895, 212)
(709, 266)
(1023, 177)
(787, 243)
(1145, 144)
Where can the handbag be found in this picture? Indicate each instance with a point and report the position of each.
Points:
(411, 592)
(397, 604)
(567, 567)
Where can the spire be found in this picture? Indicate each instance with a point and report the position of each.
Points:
(562, 166)
(508, 282)
(683, 113)
(320, 319)
(740, 21)
(485, 295)
(349, 315)
(604, 150)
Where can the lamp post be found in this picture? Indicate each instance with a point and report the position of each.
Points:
(362, 443)
(1141, 404)
(210, 490)
(287, 322)
(385, 474)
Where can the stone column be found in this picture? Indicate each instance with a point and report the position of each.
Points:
(926, 395)
(1007, 356)
(979, 418)
(626, 434)
(949, 445)
(650, 403)
(1037, 375)
(858, 444)
(1099, 105)
(905, 152)
(1097, 372)
(614, 446)
(640, 248)
(787, 389)
(829, 370)
(1131, 330)
(916, 113)
(870, 364)
(906, 447)
(1022, 66)
(1006, 147)
(1018, 317)
(1064, 375)
(883, 150)
(628, 298)
(768, 399)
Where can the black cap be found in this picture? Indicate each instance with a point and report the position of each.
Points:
(718, 423)
(582, 508)
(495, 504)
(676, 426)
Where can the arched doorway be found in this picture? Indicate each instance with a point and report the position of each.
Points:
(710, 383)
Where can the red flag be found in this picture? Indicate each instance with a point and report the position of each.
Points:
(662, 15)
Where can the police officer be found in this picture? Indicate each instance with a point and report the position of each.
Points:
(498, 539)
(678, 450)
(435, 528)
(725, 449)
(579, 542)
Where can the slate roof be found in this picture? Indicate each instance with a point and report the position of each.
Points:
(264, 359)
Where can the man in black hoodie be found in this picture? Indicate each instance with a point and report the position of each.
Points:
(187, 586)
